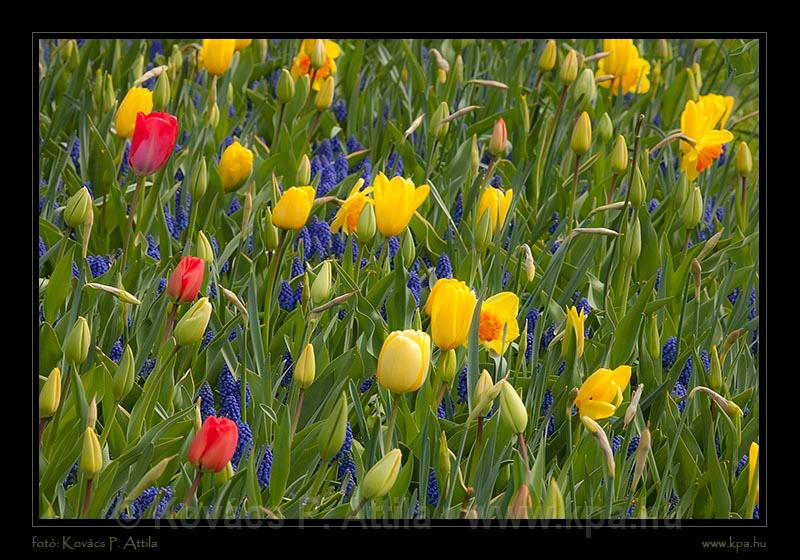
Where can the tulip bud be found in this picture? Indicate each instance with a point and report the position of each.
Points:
(547, 60)
(483, 233)
(162, 93)
(214, 444)
(638, 189)
(382, 476)
(198, 415)
(366, 224)
(633, 242)
(512, 409)
(619, 155)
(192, 326)
(77, 210)
(303, 176)
(652, 338)
(605, 128)
(91, 413)
(212, 115)
(185, 281)
(321, 287)
(691, 85)
(318, 55)
(729, 342)
(325, 94)
(97, 88)
(715, 372)
(459, 68)
(499, 140)
(520, 505)
(439, 129)
(447, 366)
(475, 157)
(123, 379)
(443, 457)
(305, 369)
(582, 135)
(585, 89)
(50, 395)
(76, 345)
(229, 94)
(682, 190)
(569, 68)
(744, 159)
(728, 406)
(482, 388)
(408, 250)
(554, 501)
(199, 182)
(642, 450)
(224, 475)
(91, 454)
(109, 98)
(530, 266)
(285, 89)
(149, 479)
(70, 46)
(630, 412)
(247, 208)
(693, 209)
(696, 272)
(662, 49)
(137, 68)
(203, 249)
(333, 430)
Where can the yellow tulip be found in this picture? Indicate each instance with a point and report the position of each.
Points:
(499, 313)
(751, 469)
(450, 305)
(601, 393)
(404, 360)
(548, 59)
(575, 327)
(382, 476)
(235, 166)
(137, 100)
(699, 121)
(292, 210)
(242, 44)
(498, 203)
(302, 62)
(347, 217)
(630, 71)
(395, 203)
(216, 55)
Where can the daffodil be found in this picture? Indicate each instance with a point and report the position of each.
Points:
(574, 329)
(395, 202)
(601, 393)
(497, 203)
(699, 121)
(498, 314)
(628, 69)
(347, 217)
(450, 305)
(302, 62)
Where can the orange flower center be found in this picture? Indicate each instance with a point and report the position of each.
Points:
(490, 327)
(707, 156)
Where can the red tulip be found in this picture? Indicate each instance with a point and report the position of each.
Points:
(214, 445)
(186, 279)
(153, 141)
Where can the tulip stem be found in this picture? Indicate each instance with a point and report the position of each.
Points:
(129, 229)
(392, 421)
(192, 490)
(442, 389)
(744, 196)
(87, 498)
(109, 424)
(64, 242)
(613, 187)
(574, 192)
(297, 410)
(358, 508)
(170, 322)
(523, 448)
(280, 126)
(314, 125)
(42, 425)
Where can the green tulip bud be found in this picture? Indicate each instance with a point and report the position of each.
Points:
(366, 223)
(652, 338)
(109, 96)
(693, 209)
(483, 233)
(318, 55)
(585, 89)
(321, 288)
(619, 155)
(638, 189)
(224, 475)
(91, 461)
(175, 62)
(681, 192)
(633, 242)
(306, 367)
(605, 128)
(50, 395)
(285, 87)
(569, 67)
(443, 456)
(162, 93)
(76, 345)
(715, 372)
(203, 248)
(122, 381)
(475, 157)
(439, 129)
(192, 326)
(382, 476)
(333, 430)
(554, 501)
(512, 409)
(744, 159)
(199, 182)
(447, 366)
(303, 176)
(149, 479)
(408, 250)
(77, 210)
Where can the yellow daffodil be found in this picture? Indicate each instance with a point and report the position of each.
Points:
(574, 329)
(137, 100)
(347, 217)
(497, 203)
(395, 202)
(601, 393)
(302, 62)
(404, 360)
(497, 312)
(450, 305)
(751, 469)
(235, 166)
(699, 121)
(630, 71)
(291, 211)
(216, 55)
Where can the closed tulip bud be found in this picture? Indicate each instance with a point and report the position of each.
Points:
(333, 430)
(512, 409)
(91, 413)
(408, 249)
(122, 381)
(285, 87)
(198, 415)
(270, 232)
(662, 49)
(262, 48)
(224, 475)
(715, 372)
(306, 367)
(109, 97)
(235, 166)
(530, 266)
(212, 115)
(382, 476)
(291, 211)
(499, 140)
(203, 249)
(214, 444)
(744, 159)
(642, 451)
(137, 100)
(582, 135)
(630, 412)
(70, 46)
(76, 345)
(569, 67)
(693, 209)
(447, 366)
(526, 116)
(547, 60)
(619, 155)
(50, 395)
(682, 191)
(318, 55)
(185, 281)
(162, 93)
(91, 461)
(475, 157)
(483, 388)
(459, 68)
(199, 181)
(438, 128)
(404, 360)
(192, 326)
(638, 189)
(652, 338)
(520, 505)
(324, 96)
(97, 88)
(366, 223)
(229, 94)
(554, 501)
(78, 207)
(149, 479)
(605, 128)
(321, 287)
(443, 456)
(303, 176)
(697, 270)
(633, 242)
(483, 232)
(585, 90)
